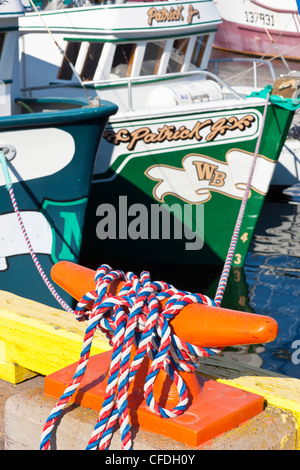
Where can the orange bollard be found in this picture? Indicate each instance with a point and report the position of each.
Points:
(73, 278)
(197, 324)
(214, 407)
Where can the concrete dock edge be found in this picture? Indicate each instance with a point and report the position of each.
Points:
(40, 340)
(26, 414)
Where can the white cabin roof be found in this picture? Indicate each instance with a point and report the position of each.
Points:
(131, 20)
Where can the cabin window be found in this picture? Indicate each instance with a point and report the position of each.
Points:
(152, 57)
(2, 37)
(123, 59)
(177, 55)
(65, 72)
(91, 60)
(200, 46)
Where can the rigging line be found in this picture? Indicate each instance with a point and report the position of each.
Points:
(62, 51)
(243, 73)
(275, 45)
(279, 55)
(239, 75)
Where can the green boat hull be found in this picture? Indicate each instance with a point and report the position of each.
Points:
(195, 167)
(51, 176)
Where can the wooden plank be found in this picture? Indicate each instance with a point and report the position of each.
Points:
(278, 390)
(10, 371)
(38, 338)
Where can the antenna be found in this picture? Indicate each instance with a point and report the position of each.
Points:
(62, 52)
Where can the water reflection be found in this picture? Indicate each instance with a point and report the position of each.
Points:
(270, 279)
(272, 273)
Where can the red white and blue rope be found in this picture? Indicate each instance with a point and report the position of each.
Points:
(131, 318)
(228, 261)
(42, 273)
(38, 266)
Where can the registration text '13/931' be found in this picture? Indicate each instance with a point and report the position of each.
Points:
(259, 18)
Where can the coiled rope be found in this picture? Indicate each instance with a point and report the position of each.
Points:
(131, 318)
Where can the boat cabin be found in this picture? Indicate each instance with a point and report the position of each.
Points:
(119, 50)
(10, 11)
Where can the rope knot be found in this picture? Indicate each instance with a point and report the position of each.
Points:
(136, 319)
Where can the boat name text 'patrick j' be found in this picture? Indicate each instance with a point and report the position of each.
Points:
(198, 175)
(171, 133)
(164, 15)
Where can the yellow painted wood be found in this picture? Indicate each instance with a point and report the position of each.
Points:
(10, 371)
(278, 390)
(38, 338)
(13, 373)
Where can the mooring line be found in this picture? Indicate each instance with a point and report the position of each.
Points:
(228, 261)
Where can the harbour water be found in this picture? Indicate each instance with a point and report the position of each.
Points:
(272, 270)
(272, 282)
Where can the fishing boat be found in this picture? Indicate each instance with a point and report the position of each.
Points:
(176, 158)
(265, 29)
(48, 153)
(261, 27)
(269, 29)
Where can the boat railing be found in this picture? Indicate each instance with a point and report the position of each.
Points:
(50, 5)
(182, 76)
(130, 81)
(255, 64)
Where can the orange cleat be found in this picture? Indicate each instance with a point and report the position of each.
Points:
(214, 408)
(198, 324)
